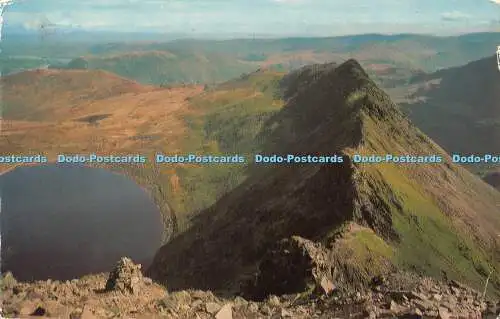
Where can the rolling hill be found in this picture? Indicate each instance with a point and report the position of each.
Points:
(410, 50)
(436, 219)
(459, 107)
(165, 67)
(389, 59)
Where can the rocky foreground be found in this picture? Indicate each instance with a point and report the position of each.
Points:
(126, 293)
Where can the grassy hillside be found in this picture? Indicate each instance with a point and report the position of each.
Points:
(436, 219)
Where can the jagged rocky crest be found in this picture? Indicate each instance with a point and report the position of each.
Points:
(395, 209)
(330, 108)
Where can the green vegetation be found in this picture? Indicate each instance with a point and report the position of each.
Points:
(365, 240)
(366, 253)
(430, 244)
(230, 118)
(234, 117)
(225, 121)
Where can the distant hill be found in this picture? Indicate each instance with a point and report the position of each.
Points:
(421, 51)
(459, 107)
(164, 67)
(437, 219)
(210, 61)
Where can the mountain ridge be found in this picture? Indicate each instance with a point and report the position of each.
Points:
(343, 112)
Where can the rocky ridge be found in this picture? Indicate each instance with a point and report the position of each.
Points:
(127, 294)
(433, 218)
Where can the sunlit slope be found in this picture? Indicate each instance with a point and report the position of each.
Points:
(83, 111)
(35, 95)
(436, 219)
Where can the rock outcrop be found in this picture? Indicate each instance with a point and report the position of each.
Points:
(126, 277)
(123, 292)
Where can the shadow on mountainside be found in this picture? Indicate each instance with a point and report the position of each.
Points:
(460, 107)
(370, 219)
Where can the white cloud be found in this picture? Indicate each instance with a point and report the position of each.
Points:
(456, 15)
(255, 16)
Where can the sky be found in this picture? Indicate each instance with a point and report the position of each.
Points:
(260, 17)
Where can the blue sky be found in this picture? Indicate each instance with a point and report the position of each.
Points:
(272, 17)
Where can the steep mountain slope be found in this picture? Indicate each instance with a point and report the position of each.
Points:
(460, 107)
(436, 219)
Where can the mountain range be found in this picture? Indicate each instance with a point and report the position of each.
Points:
(223, 222)
(151, 59)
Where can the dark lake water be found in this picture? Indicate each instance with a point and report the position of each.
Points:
(62, 222)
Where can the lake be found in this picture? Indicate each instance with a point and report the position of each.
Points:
(62, 222)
